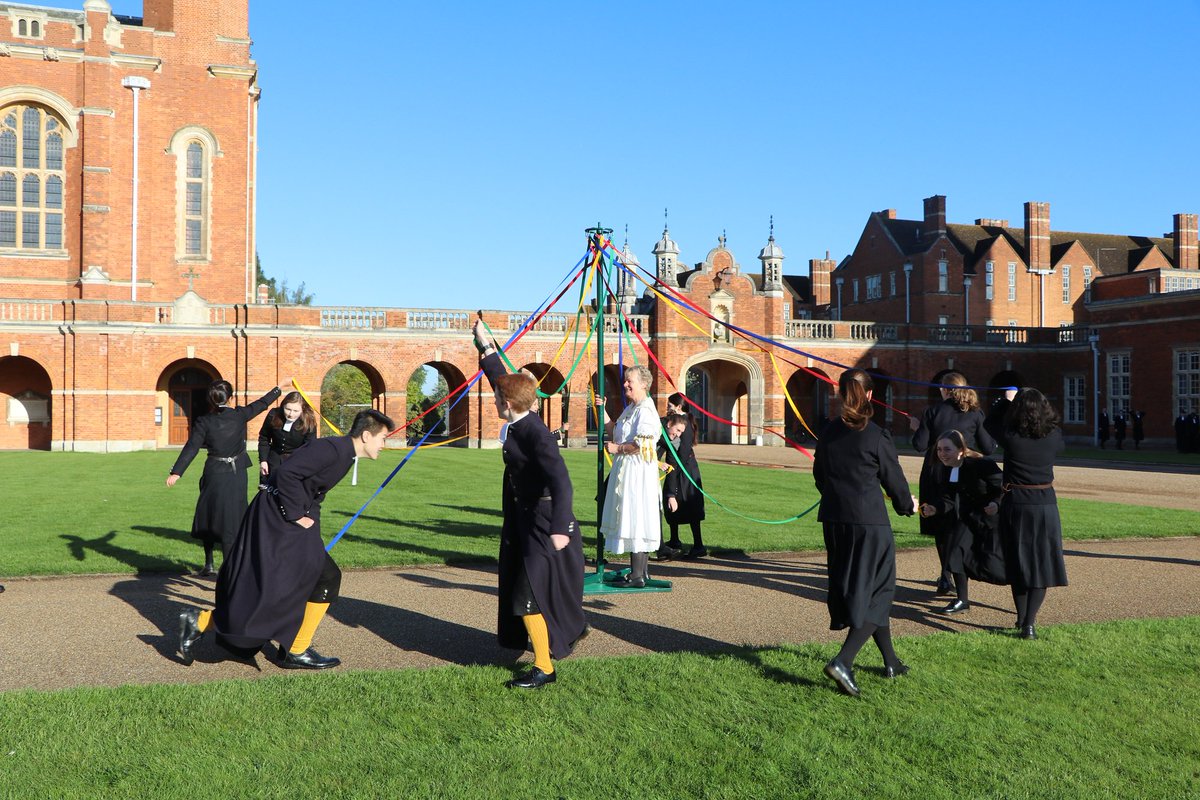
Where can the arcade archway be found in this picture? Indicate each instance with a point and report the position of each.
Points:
(25, 392)
(183, 391)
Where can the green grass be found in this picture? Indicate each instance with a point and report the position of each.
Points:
(1097, 711)
(88, 513)
(1128, 455)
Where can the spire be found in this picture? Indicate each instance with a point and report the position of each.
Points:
(772, 260)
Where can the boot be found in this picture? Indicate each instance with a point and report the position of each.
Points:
(641, 564)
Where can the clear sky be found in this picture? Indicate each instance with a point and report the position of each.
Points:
(450, 154)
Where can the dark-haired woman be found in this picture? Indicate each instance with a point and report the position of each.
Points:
(683, 503)
(958, 411)
(222, 500)
(1026, 426)
(967, 506)
(284, 429)
(853, 459)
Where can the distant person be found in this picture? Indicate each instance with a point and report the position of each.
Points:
(967, 507)
(1181, 429)
(853, 459)
(1026, 426)
(1139, 429)
(683, 502)
(223, 486)
(1102, 428)
(285, 429)
(277, 581)
(958, 411)
(631, 521)
(540, 582)
(1119, 428)
(1193, 432)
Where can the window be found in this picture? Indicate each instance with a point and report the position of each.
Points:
(943, 276)
(1187, 381)
(892, 282)
(1118, 383)
(989, 281)
(193, 211)
(1074, 400)
(943, 320)
(855, 285)
(1012, 281)
(1087, 284)
(194, 149)
(874, 287)
(31, 157)
(1066, 278)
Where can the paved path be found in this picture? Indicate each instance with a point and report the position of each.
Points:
(109, 631)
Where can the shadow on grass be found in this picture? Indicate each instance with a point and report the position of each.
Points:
(79, 547)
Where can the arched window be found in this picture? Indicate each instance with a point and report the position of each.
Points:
(194, 149)
(195, 194)
(31, 155)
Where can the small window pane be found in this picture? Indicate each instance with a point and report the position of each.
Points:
(8, 229)
(193, 199)
(192, 237)
(8, 149)
(35, 28)
(8, 190)
(30, 230)
(22, 28)
(32, 135)
(54, 151)
(11, 119)
(51, 124)
(195, 161)
(54, 230)
(54, 192)
(30, 191)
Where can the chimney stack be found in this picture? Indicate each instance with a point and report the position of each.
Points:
(988, 222)
(819, 269)
(935, 218)
(1037, 236)
(1186, 254)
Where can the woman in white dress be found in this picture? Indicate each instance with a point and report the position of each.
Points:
(633, 500)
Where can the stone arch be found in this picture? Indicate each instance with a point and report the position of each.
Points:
(26, 393)
(810, 390)
(553, 410)
(884, 398)
(999, 382)
(735, 391)
(453, 419)
(613, 394)
(182, 393)
(67, 113)
(340, 400)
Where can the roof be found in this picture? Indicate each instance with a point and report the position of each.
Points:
(799, 285)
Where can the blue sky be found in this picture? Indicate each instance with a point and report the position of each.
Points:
(450, 155)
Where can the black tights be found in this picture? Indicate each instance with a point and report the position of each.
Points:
(697, 539)
(858, 637)
(960, 585)
(208, 555)
(1028, 602)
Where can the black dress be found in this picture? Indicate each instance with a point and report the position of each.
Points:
(537, 502)
(688, 498)
(274, 565)
(972, 542)
(849, 467)
(222, 500)
(1030, 529)
(275, 444)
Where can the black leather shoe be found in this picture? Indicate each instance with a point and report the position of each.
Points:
(534, 679)
(309, 659)
(843, 676)
(697, 552)
(668, 553)
(189, 634)
(957, 607)
(1028, 632)
(943, 587)
(207, 572)
(895, 670)
(627, 582)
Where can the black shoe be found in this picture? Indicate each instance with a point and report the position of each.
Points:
(534, 679)
(895, 670)
(697, 552)
(189, 634)
(668, 553)
(309, 659)
(629, 582)
(1028, 632)
(207, 572)
(957, 607)
(943, 587)
(843, 676)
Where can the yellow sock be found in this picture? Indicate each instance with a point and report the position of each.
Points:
(313, 614)
(539, 634)
(204, 620)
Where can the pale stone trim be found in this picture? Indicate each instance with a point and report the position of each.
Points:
(231, 71)
(140, 62)
(99, 170)
(66, 113)
(97, 111)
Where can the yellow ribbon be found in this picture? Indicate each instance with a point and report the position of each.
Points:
(313, 406)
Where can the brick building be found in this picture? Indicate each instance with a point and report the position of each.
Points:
(113, 323)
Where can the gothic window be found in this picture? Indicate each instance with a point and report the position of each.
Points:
(31, 179)
(194, 149)
(193, 212)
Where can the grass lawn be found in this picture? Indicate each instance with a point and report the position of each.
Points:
(69, 513)
(1089, 711)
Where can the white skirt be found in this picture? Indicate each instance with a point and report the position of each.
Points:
(632, 507)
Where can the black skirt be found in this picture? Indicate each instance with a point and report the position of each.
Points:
(862, 574)
(1031, 534)
(221, 504)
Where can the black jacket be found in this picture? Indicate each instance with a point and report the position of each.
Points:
(849, 467)
(223, 433)
(274, 442)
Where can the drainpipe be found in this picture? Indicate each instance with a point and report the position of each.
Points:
(1094, 341)
(136, 83)
(907, 305)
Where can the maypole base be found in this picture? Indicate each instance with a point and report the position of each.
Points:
(600, 582)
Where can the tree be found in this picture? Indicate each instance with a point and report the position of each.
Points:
(345, 391)
(281, 293)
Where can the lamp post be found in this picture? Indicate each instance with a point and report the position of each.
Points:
(967, 300)
(839, 282)
(907, 286)
(1094, 341)
(137, 83)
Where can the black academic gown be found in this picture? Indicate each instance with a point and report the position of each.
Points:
(222, 500)
(937, 419)
(537, 501)
(275, 444)
(972, 536)
(688, 497)
(275, 564)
